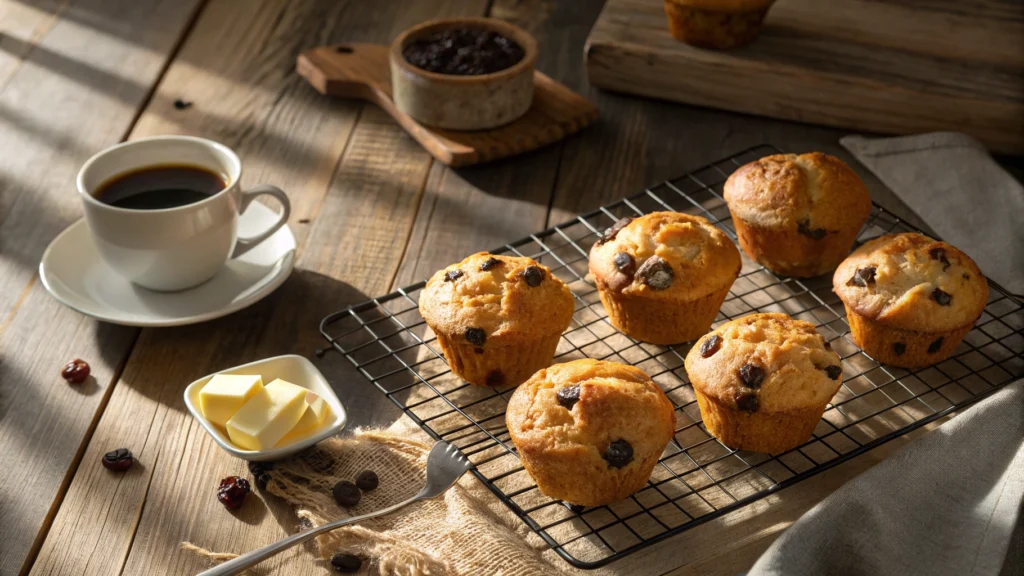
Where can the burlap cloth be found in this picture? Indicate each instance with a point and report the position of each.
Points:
(465, 532)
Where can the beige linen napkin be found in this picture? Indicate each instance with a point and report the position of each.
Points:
(951, 182)
(947, 504)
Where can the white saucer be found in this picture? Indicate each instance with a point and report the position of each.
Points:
(73, 272)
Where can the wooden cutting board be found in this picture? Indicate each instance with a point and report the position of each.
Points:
(893, 66)
(362, 71)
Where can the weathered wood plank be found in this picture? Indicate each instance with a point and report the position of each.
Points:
(57, 108)
(240, 81)
(869, 66)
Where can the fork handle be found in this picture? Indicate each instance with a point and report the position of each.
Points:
(250, 559)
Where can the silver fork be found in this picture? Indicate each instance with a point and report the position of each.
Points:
(445, 465)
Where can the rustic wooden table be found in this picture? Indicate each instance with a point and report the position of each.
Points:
(371, 211)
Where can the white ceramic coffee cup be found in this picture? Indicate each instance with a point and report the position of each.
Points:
(174, 248)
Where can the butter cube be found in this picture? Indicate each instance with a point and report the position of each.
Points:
(224, 394)
(317, 412)
(266, 417)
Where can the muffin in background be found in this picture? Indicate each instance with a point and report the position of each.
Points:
(763, 381)
(497, 318)
(797, 215)
(590, 432)
(662, 277)
(718, 24)
(910, 299)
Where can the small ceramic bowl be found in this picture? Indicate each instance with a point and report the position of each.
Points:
(463, 102)
(294, 369)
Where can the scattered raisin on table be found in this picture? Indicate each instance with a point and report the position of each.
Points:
(232, 492)
(346, 563)
(367, 480)
(118, 460)
(76, 371)
(346, 494)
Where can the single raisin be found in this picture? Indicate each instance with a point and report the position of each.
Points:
(804, 227)
(180, 104)
(752, 376)
(346, 563)
(76, 371)
(367, 480)
(656, 273)
(966, 276)
(940, 255)
(490, 263)
(260, 473)
(496, 378)
(747, 401)
(624, 263)
(941, 297)
(476, 336)
(710, 345)
(899, 348)
(568, 396)
(346, 494)
(827, 344)
(618, 454)
(533, 276)
(834, 372)
(862, 277)
(232, 492)
(118, 460)
(614, 230)
(452, 275)
(934, 346)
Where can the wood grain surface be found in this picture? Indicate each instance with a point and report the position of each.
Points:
(372, 210)
(897, 67)
(354, 70)
(67, 89)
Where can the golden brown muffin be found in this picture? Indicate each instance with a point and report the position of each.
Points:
(719, 24)
(797, 215)
(762, 381)
(910, 300)
(589, 432)
(497, 318)
(662, 277)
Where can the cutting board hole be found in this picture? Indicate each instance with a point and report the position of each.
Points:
(343, 49)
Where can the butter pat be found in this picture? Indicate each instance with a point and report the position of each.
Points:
(224, 394)
(316, 413)
(266, 417)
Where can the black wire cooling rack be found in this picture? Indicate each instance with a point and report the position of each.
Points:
(697, 478)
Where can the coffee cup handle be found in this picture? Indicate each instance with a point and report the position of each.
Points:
(244, 244)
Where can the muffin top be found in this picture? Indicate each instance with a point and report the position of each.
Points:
(605, 411)
(813, 194)
(664, 255)
(766, 362)
(912, 282)
(726, 5)
(501, 295)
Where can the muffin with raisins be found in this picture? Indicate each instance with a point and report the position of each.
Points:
(909, 299)
(497, 318)
(590, 432)
(763, 381)
(797, 215)
(662, 277)
(718, 24)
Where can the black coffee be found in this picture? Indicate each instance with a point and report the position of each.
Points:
(160, 187)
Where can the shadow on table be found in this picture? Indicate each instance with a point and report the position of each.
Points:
(165, 360)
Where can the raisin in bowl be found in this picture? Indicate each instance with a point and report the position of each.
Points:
(463, 73)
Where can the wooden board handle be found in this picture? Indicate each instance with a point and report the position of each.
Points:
(349, 71)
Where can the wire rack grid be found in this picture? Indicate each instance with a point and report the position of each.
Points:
(697, 478)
